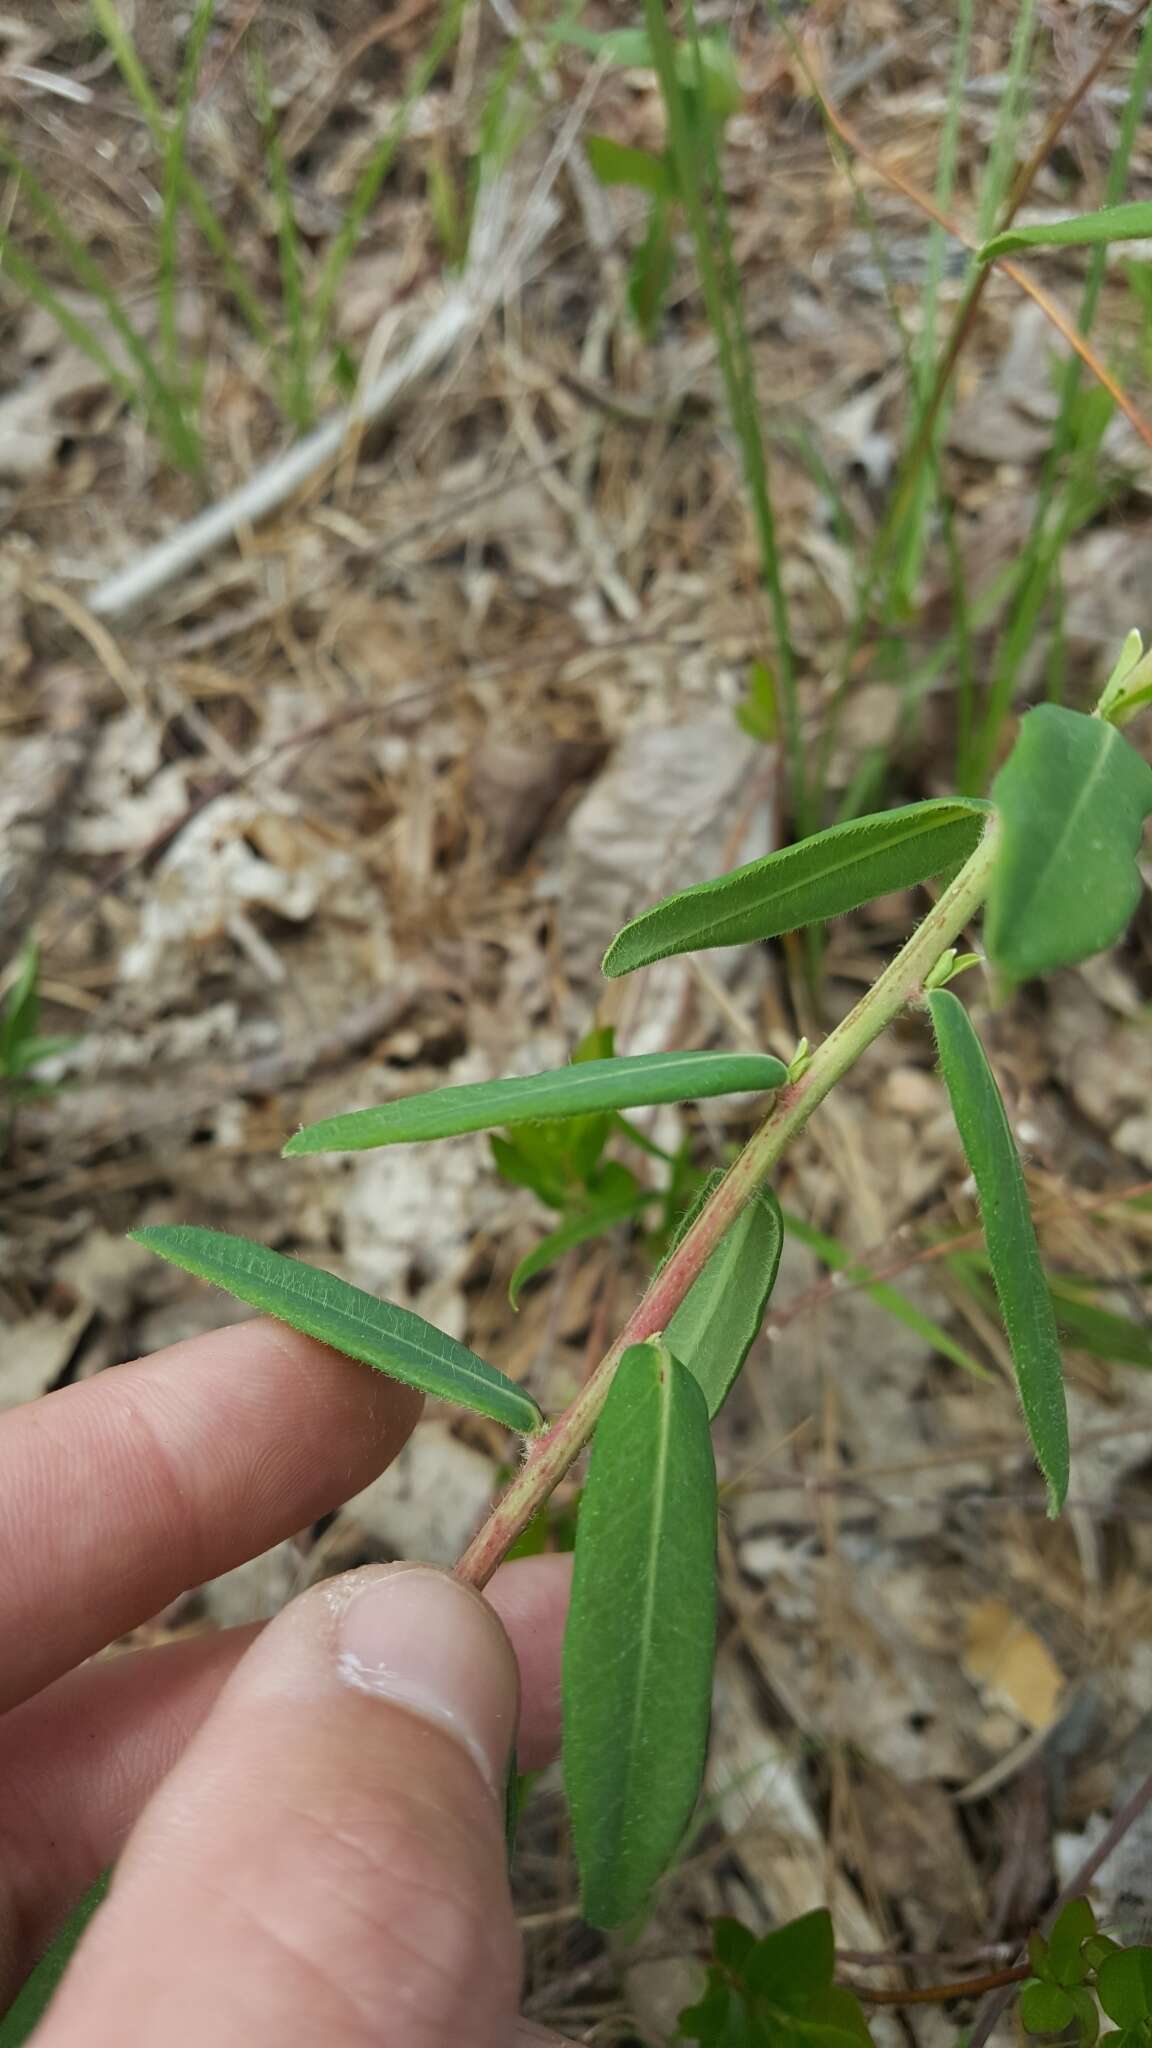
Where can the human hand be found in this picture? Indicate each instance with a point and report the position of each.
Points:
(306, 1820)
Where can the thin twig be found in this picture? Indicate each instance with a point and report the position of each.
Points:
(941, 1994)
(966, 317)
(1077, 1885)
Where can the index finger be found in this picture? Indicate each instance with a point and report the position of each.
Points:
(121, 1493)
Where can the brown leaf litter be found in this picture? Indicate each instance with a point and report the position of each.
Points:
(353, 806)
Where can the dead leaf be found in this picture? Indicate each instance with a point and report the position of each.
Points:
(1011, 1665)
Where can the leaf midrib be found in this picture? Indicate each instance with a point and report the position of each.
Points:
(659, 1491)
(706, 891)
(1082, 798)
(372, 1326)
(580, 1077)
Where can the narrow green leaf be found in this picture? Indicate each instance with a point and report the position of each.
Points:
(1025, 1302)
(718, 1320)
(20, 1016)
(32, 2000)
(584, 1137)
(24, 273)
(614, 163)
(577, 1230)
(758, 713)
(297, 380)
(821, 877)
(377, 1333)
(162, 403)
(534, 1160)
(650, 271)
(627, 47)
(1088, 1327)
(1111, 224)
(435, 47)
(594, 1085)
(1072, 797)
(641, 1632)
(839, 1258)
(168, 255)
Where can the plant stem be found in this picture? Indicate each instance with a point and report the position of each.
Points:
(551, 1454)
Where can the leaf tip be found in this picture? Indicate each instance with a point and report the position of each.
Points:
(1057, 1494)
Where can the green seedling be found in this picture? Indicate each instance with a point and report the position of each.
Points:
(700, 90)
(1052, 856)
(23, 1046)
(157, 380)
(781, 1991)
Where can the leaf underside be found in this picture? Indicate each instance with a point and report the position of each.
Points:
(377, 1333)
(821, 877)
(641, 1633)
(1014, 1256)
(1072, 797)
(719, 1319)
(590, 1087)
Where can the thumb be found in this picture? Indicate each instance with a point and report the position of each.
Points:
(326, 1862)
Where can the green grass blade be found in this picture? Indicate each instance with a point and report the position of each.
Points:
(1025, 1302)
(174, 176)
(835, 1255)
(592, 1087)
(616, 163)
(821, 877)
(161, 402)
(1083, 230)
(1064, 501)
(693, 150)
(376, 170)
(719, 1319)
(1088, 1327)
(207, 220)
(20, 1013)
(1002, 157)
(31, 2003)
(298, 374)
(391, 1339)
(128, 63)
(1072, 798)
(30, 279)
(577, 1230)
(641, 1633)
(911, 546)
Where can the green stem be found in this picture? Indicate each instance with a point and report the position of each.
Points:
(550, 1455)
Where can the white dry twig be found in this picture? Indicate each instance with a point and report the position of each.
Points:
(506, 234)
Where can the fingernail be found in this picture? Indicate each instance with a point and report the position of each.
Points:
(421, 1640)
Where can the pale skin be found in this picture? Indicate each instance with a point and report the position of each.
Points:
(306, 1820)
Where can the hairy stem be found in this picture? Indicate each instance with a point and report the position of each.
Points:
(551, 1454)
